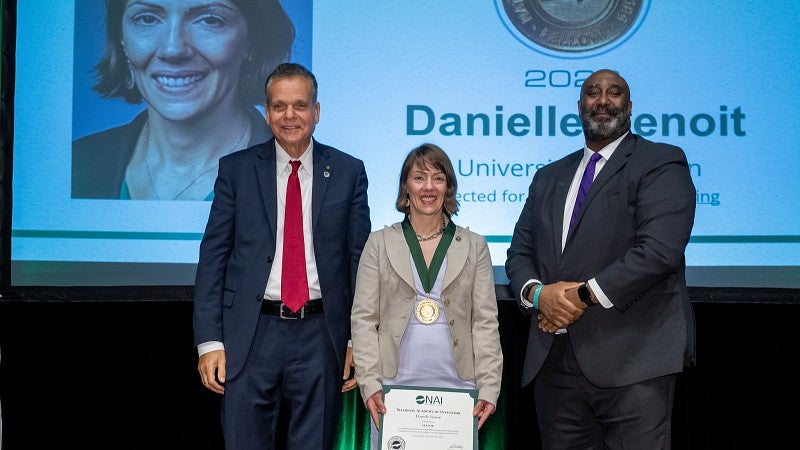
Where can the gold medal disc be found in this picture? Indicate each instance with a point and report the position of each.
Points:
(427, 311)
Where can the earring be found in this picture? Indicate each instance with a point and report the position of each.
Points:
(129, 82)
(408, 203)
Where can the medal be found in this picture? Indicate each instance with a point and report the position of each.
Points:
(427, 311)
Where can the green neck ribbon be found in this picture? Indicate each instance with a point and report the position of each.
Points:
(427, 275)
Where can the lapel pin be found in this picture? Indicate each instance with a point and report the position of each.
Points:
(327, 172)
(458, 238)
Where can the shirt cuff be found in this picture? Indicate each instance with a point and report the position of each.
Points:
(209, 346)
(601, 296)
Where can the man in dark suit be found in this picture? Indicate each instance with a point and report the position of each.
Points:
(598, 256)
(261, 344)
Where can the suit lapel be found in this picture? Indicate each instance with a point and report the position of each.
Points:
(323, 172)
(398, 253)
(265, 172)
(400, 256)
(456, 256)
(563, 182)
(611, 167)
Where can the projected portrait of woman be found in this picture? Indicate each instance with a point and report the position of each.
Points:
(199, 67)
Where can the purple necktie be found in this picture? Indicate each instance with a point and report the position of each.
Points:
(583, 189)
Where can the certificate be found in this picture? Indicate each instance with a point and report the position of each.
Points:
(428, 418)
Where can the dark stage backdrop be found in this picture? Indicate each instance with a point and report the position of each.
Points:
(121, 375)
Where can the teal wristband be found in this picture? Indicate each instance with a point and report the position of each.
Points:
(536, 293)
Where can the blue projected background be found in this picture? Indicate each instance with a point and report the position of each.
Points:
(716, 78)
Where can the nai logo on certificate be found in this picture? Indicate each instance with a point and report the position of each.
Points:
(420, 417)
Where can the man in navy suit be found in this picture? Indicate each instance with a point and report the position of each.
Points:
(255, 349)
(614, 324)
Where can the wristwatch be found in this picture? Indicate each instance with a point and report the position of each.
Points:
(526, 291)
(585, 295)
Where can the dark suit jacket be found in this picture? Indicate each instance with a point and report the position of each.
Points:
(631, 236)
(99, 160)
(239, 246)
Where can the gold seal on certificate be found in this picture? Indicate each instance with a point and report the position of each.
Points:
(427, 311)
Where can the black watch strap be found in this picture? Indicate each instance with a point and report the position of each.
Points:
(526, 291)
(585, 295)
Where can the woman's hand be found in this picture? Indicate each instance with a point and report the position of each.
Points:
(376, 407)
(482, 411)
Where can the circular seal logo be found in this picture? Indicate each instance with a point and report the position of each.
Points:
(396, 443)
(572, 28)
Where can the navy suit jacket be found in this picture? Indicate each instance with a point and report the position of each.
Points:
(238, 246)
(631, 237)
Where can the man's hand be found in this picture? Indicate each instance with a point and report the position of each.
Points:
(482, 411)
(375, 406)
(212, 370)
(572, 296)
(349, 375)
(545, 325)
(556, 307)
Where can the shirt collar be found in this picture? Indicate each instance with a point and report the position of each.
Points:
(606, 151)
(282, 158)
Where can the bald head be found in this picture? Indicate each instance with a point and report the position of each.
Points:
(605, 77)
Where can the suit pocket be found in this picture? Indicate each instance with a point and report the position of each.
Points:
(331, 208)
(333, 224)
(227, 298)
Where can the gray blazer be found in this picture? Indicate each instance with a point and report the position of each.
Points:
(631, 237)
(385, 299)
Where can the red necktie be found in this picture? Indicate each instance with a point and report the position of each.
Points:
(294, 281)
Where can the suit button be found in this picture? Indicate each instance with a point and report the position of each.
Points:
(447, 302)
(455, 342)
(269, 259)
(452, 321)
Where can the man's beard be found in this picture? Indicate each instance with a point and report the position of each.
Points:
(601, 130)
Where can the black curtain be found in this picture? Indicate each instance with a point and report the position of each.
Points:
(121, 375)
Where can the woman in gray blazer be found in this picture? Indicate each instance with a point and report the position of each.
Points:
(425, 311)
